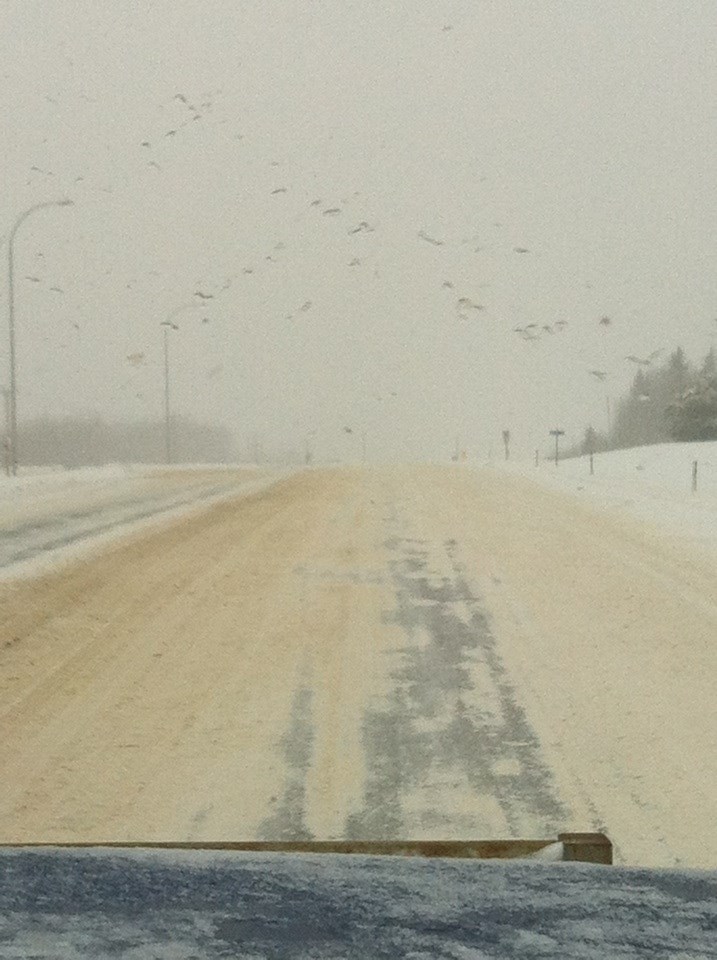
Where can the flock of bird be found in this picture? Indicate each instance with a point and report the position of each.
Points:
(187, 113)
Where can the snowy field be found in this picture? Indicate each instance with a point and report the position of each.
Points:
(651, 483)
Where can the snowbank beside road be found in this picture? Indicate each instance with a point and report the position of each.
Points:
(651, 483)
(49, 516)
(32, 480)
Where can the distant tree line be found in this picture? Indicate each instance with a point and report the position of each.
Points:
(675, 401)
(92, 441)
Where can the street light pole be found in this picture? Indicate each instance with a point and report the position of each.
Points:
(6, 430)
(170, 324)
(12, 413)
(167, 411)
(167, 420)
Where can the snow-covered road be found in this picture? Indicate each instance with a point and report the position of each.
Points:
(404, 652)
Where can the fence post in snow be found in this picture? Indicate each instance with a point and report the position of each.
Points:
(694, 476)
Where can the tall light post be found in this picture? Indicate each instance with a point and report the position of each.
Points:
(6, 430)
(167, 417)
(168, 325)
(12, 413)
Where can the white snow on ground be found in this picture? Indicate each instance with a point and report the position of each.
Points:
(651, 483)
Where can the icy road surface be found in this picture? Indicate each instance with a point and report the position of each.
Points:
(424, 652)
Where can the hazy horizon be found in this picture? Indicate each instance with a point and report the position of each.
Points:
(551, 162)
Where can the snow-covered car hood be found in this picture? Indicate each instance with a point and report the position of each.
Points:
(70, 903)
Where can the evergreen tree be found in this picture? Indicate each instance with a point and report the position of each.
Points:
(693, 416)
(709, 365)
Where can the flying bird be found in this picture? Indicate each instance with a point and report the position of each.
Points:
(424, 236)
(467, 304)
(205, 319)
(315, 203)
(355, 262)
(598, 374)
(362, 227)
(447, 284)
(180, 96)
(203, 296)
(305, 306)
(348, 430)
(332, 211)
(56, 290)
(146, 143)
(604, 321)
(521, 250)
(279, 190)
(34, 279)
(171, 133)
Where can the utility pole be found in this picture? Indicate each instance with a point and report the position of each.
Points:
(557, 434)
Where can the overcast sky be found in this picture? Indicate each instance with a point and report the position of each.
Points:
(581, 131)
